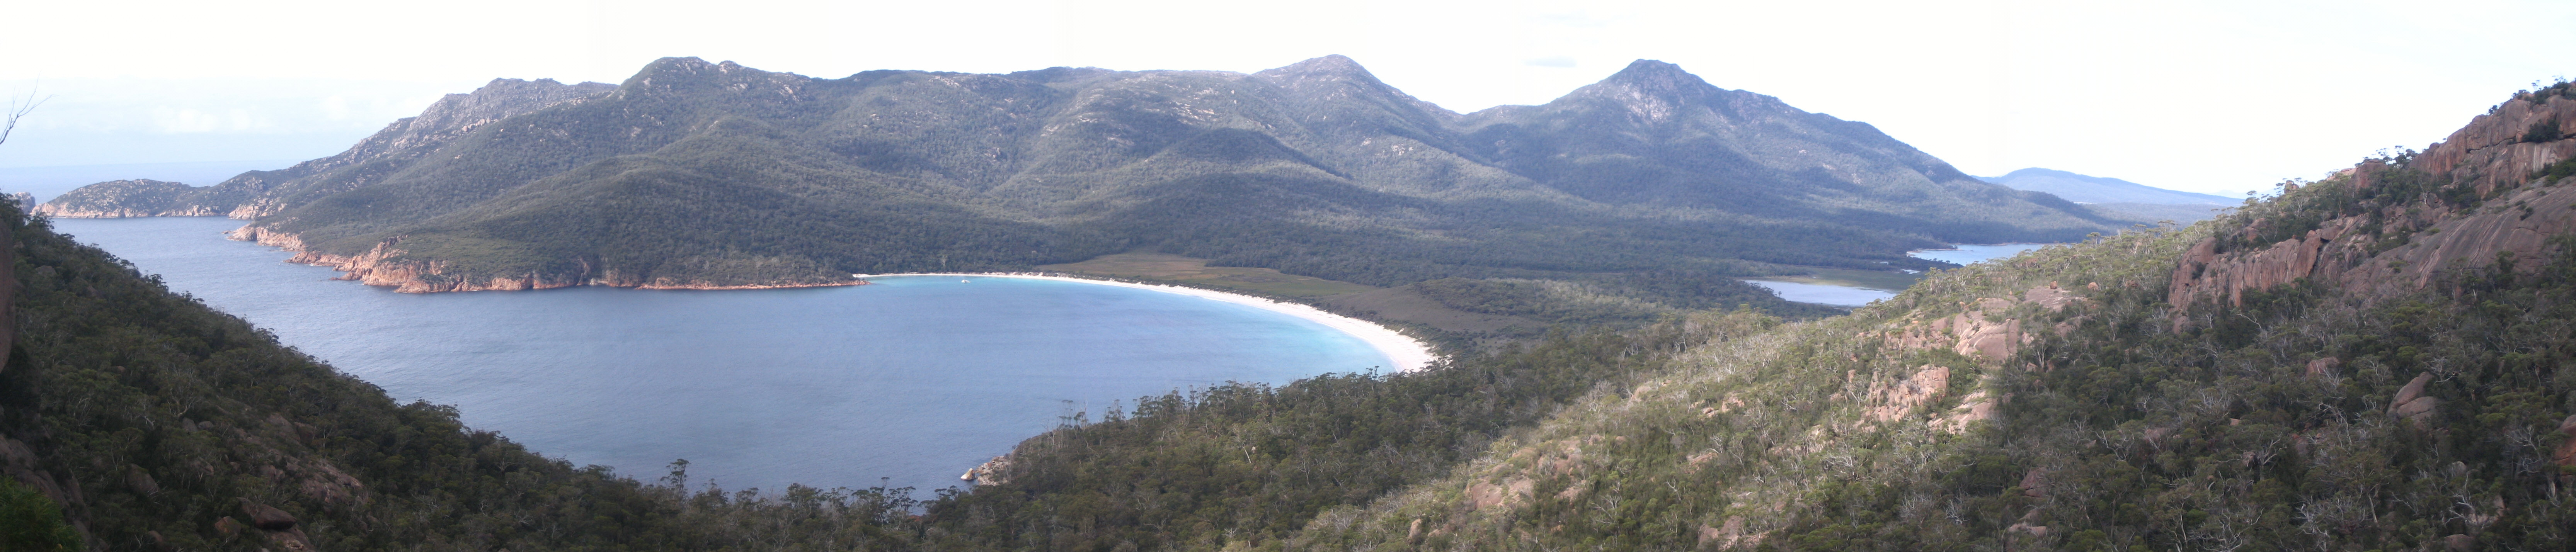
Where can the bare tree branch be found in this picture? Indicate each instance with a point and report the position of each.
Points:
(17, 111)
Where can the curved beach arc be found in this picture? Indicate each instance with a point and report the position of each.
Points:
(1406, 353)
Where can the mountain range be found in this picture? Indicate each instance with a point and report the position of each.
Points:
(2379, 360)
(696, 174)
(2114, 195)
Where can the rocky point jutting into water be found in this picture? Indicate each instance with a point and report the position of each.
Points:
(129, 198)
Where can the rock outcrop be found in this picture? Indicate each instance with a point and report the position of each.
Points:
(991, 472)
(2411, 403)
(2388, 250)
(1982, 331)
(2566, 456)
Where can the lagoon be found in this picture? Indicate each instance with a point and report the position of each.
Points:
(1970, 253)
(1839, 293)
(911, 379)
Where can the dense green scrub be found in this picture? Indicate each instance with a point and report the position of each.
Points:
(2121, 422)
(1248, 465)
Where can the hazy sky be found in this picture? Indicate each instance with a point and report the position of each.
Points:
(2204, 96)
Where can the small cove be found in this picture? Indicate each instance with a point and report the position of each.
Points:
(912, 379)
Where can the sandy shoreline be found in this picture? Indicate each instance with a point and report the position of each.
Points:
(1407, 353)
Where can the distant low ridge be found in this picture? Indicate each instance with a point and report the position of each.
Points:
(697, 174)
(2096, 189)
(2117, 197)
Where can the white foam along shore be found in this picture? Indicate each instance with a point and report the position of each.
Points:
(1407, 353)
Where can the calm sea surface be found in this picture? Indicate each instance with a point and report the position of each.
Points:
(914, 378)
(1846, 296)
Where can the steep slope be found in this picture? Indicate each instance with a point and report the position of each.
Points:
(2374, 361)
(695, 174)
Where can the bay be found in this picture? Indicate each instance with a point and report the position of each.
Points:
(910, 379)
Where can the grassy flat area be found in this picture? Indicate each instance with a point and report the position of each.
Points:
(1177, 268)
(1890, 281)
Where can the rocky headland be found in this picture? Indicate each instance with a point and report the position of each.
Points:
(126, 199)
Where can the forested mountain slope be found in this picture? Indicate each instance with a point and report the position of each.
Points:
(2376, 361)
(693, 174)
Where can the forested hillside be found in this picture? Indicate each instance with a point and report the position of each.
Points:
(692, 174)
(2376, 361)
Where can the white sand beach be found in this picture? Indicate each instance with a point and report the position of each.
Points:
(1407, 353)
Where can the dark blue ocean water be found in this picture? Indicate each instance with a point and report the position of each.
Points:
(914, 378)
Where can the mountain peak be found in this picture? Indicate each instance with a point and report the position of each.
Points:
(1657, 78)
(1334, 66)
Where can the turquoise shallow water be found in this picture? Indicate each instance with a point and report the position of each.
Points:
(914, 379)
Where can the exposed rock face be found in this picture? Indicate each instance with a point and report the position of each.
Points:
(991, 472)
(2567, 451)
(1981, 332)
(2494, 152)
(2514, 219)
(2411, 403)
(1893, 401)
